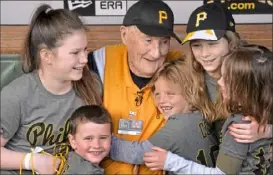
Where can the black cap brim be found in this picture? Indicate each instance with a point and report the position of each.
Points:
(158, 32)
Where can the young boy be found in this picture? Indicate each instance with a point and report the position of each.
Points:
(90, 138)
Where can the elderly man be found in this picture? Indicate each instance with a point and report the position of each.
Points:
(126, 69)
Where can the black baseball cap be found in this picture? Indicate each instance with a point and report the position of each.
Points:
(209, 22)
(152, 17)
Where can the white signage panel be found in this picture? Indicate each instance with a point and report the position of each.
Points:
(111, 12)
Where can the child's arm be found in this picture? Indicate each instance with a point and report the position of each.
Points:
(178, 165)
(43, 164)
(11, 119)
(250, 132)
(229, 160)
(162, 159)
(132, 152)
(128, 151)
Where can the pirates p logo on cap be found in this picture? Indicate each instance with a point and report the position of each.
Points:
(200, 17)
(162, 15)
(152, 17)
(209, 22)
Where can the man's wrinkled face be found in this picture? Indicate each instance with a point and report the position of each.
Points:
(145, 53)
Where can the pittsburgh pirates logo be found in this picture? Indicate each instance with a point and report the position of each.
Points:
(162, 15)
(202, 16)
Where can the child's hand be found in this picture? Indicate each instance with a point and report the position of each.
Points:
(248, 132)
(43, 163)
(155, 160)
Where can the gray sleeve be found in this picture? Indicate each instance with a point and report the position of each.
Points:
(232, 148)
(77, 165)
(179, 165)
(229, 164)
(270, 131)
(162, 138)
(166, 137)
(69, 170)
(129, 152)
(10, 111)
(83, 170)
(231, 153)
(229, 146)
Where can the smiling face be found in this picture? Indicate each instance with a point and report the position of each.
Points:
(168, 97)
(92, 141)
(70, 57)
(210, 54)
(145, 53)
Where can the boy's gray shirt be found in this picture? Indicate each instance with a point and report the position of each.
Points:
(75, 164)
(187, 135)
(32, 116)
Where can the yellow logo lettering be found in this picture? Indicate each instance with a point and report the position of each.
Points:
(200, 17)
(162, 15)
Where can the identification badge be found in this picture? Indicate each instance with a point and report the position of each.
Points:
(130, 127)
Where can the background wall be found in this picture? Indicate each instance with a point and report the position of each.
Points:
(253, 19)
(101, 12)
(12, 37)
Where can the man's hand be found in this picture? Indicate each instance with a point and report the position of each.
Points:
(155, 160)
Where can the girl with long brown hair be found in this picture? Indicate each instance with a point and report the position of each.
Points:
(36, 107)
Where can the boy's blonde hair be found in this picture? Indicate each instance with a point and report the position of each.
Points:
(178, 71)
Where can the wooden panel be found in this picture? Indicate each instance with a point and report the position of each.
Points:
(12, 37)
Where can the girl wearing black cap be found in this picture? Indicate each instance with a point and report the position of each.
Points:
(211, 34)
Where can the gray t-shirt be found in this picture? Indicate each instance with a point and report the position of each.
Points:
(190, 136)
(213, 93)
(32, 116)
(187, 135)
(75, 164)
(211, 87)
(254, 156)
